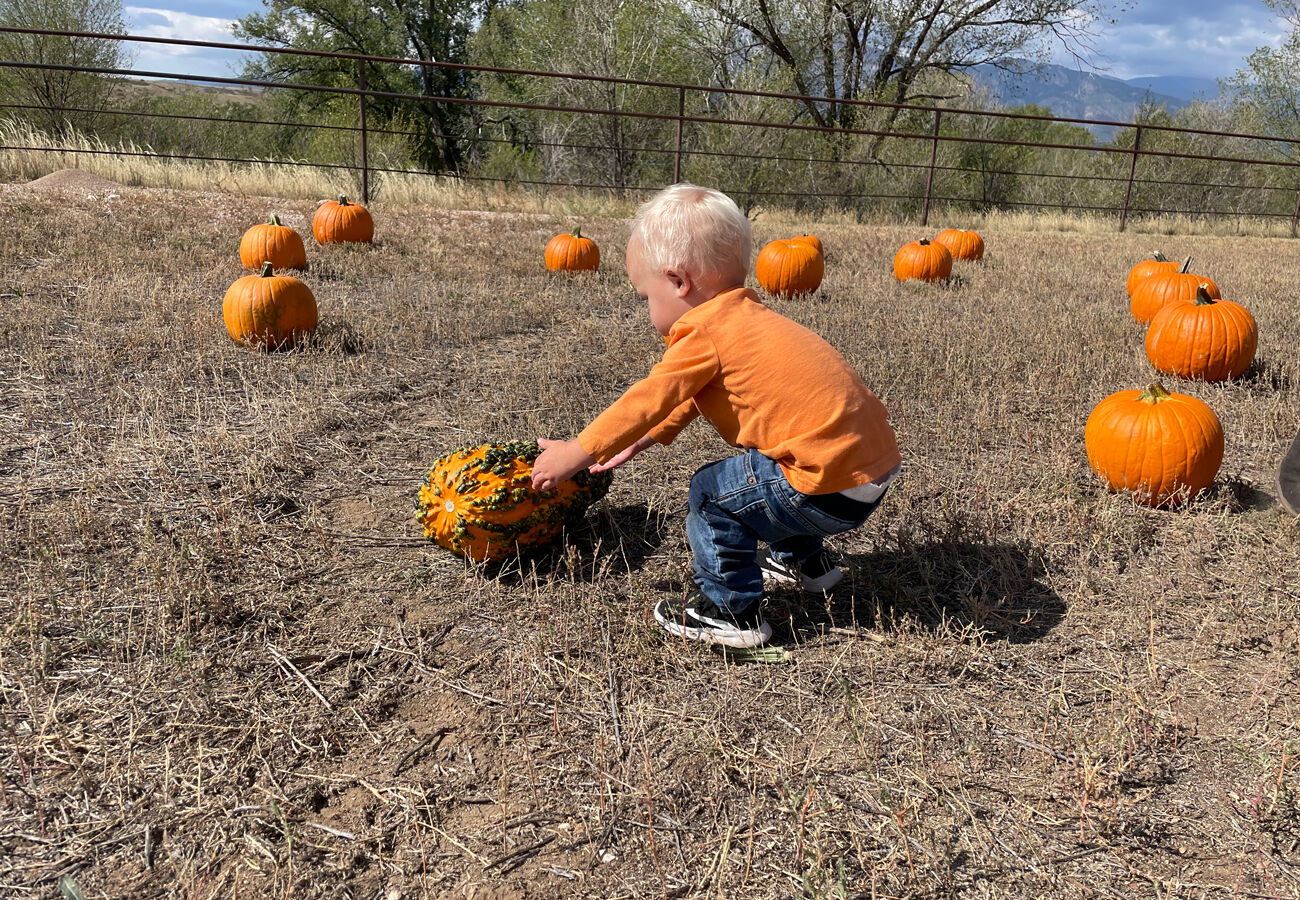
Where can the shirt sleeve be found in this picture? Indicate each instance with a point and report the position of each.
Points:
(689, 364)
(667, 430)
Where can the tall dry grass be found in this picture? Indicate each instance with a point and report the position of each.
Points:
(230, 666)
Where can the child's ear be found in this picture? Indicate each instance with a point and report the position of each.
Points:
(680, 279)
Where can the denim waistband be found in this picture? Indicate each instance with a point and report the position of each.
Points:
(841, 507)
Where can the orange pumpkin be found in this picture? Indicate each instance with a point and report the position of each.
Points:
(811, 239)
(962, 244)
(572, 253)
(1148, 267)
(269, 310)
(923, 260)
(274, 243)
(1163, 447)
(342, 222)
(786, 268)
(1207, 339)
(1164, 288)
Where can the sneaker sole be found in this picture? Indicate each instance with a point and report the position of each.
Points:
(808, 585)
(739, 639)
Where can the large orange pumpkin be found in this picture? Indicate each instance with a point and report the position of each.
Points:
(1207, 339)
(1164, 288)
(572, 253)
(269, 310)
(923, 260)
(1163, 447)
(479, 501)
(786, 268)
(342, 222)
(1148, 267)
(962, 244)
(274, 243)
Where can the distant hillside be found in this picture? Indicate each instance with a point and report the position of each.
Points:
(1072, 94)
(1184, 87)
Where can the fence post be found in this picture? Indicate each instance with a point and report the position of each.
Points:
(365, 155)
(1295, 216)
(1132, 168)
(929, 177)
(677, 158)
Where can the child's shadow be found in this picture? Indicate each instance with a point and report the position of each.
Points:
(953, 584)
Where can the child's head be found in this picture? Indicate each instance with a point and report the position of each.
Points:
(696, 229)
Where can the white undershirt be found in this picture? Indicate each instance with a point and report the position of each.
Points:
(871, 491)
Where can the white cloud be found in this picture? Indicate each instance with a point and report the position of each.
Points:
(169, 23)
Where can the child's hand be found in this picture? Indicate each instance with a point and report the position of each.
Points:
(624, 455)
(559, 460)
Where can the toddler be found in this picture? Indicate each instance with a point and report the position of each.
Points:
(818, 452)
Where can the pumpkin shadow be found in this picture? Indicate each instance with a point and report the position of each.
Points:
(946, 585)
(616, 540)
(333, 336)
(1265, 375)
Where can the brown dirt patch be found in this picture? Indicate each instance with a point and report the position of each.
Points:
(67, 180)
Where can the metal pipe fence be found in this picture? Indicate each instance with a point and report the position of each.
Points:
(698, 131)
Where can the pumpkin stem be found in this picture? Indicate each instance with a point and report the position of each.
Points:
(923, 242)
(577, 232)
(1203, 297)
(1159, 257)
(1185, 265)
(267, 270)
(274, 220)
(1155, 393)
(343, 201)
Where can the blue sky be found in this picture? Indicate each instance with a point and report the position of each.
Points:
(1206, 38)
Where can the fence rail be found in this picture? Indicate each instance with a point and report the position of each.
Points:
(922, 149)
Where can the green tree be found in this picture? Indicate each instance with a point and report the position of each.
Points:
(637, 39)
(1269, 85)
(65, 100)
(436, 30)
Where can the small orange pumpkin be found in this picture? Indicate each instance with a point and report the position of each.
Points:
(269, 310)
(1161, 446)
(786, 268)
(274, 243)
(923, 260)
(1207, 339)
(962, 244)
(342, 222)
(1164, 288)
(572, 253)
(1148, 267)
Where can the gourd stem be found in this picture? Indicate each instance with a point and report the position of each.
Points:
(1185, 265)
(1159, 257)
(275, 220)
(577, 232)
(343, 201)
(267, 270)
(1203, 297)
(923, 242)
(1155, 393)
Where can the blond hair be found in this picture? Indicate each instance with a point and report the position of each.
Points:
(694, 228)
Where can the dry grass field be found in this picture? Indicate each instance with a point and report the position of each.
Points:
(231, 667)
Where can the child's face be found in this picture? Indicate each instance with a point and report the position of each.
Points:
(665, 291)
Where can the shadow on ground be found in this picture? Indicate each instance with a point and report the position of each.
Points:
(949, 584)
(617, 540)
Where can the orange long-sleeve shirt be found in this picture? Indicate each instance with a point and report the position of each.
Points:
(765, 383)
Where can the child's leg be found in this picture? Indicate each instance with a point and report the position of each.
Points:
(735, 503)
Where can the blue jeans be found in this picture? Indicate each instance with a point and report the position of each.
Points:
(739, 501)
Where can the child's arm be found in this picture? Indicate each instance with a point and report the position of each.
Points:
(559, 460)
(624, 455)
